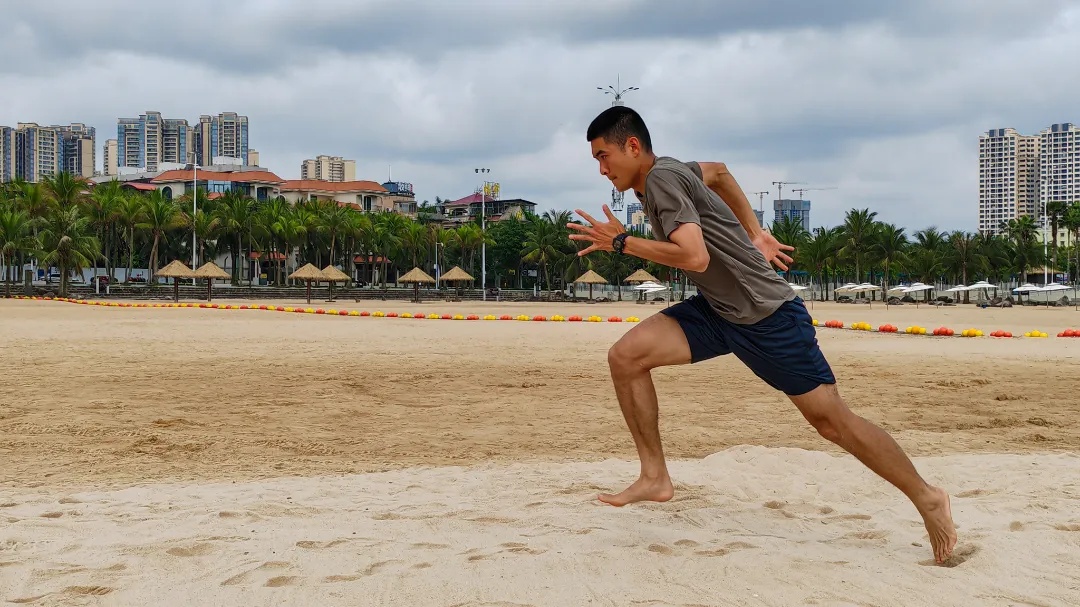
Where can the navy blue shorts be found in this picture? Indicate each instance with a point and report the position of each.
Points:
(781, 349)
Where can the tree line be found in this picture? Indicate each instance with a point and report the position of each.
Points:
(65, 223)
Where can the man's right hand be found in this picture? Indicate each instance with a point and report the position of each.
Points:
(773, 249)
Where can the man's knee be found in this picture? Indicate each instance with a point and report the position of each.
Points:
(826, 412)
(625, 356)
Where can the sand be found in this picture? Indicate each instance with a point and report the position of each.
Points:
(197, 457)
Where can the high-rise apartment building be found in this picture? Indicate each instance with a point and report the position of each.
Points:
(108, 157)
(147, 142)
(79, 150)
(150, 140)
(1008, 178)
(328, 168)
(7, 154)
(34, 152)
(220, 137)
(799, 210)
(1059, 164)
(39, 152)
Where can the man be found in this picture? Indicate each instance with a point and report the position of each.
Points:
(705, 226)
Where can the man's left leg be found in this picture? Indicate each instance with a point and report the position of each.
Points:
(783, 350)
(826, 411)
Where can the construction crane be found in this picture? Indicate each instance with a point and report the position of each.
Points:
(801, 191)
(617, 92)
(760, 199)
(780, 187)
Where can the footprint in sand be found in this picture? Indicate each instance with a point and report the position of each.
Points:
(726, 549)
(313, 545)
(1068, 527)
(247, 576)
(959, 556)
(480, 554)
(429, 546)
(87, 590)
(201, 549)
(1016, 526)
(972, 493)
(372, 569)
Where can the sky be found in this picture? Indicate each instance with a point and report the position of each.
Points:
(878, 103)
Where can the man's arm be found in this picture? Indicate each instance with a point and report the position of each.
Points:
(685, 251)
(719, 179)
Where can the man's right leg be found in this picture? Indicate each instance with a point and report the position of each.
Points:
(658, 341)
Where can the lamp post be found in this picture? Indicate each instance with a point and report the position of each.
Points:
(483, 240)
(438, 270)
(194, 212)
(617, 92)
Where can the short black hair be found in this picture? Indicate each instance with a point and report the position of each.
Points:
(617, 124)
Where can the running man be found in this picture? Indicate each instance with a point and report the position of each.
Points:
(704, 225)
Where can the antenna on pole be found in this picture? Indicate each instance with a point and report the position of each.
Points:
(617, 92)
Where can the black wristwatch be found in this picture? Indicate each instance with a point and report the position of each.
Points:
(619, 242)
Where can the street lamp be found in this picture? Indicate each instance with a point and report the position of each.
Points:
(483, 241)
(438, 270)
(194, 212)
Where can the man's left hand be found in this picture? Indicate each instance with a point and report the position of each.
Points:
(773, 250)
(600, 234)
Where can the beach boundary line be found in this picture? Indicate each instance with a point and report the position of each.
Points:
(914, 330)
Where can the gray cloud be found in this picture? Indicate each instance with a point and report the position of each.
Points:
(884, 100)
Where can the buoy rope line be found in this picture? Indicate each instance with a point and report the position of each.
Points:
(334, 312)
(828, 324)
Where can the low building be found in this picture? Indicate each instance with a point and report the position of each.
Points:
(258, 184)
(464, 210)
(366, 196)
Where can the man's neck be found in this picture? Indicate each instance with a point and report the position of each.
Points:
(646, 166)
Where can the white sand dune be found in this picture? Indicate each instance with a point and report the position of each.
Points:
(748, 526)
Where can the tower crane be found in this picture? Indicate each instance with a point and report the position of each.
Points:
(801, 191)
(780, 187)
(760, 199)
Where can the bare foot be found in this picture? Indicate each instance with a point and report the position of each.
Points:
(643, 490)
(937, 516)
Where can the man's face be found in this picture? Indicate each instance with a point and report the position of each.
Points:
(619, 164)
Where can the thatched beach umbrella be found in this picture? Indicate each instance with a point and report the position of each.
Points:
(210, 271)
(331, 274)
(591, 278)
(416, 276)
(641, 276)
(456, 274)
(176, 270)
(308, 273)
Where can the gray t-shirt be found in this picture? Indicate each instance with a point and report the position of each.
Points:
(739, 283)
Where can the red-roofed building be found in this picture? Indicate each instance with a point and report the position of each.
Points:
(466, 209)
(260, 185)
(367, 196)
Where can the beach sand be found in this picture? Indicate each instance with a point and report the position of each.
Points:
(206, 457)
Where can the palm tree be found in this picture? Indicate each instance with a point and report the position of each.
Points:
(160, 215)
(129, 214)
(858, 235)
(66, 242)
(235, 214)
(890, 243)
(16, 238)
(964, 254)
(542, 247)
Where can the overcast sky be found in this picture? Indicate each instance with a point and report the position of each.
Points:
(883, 101)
